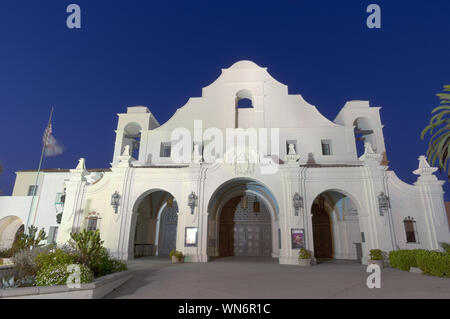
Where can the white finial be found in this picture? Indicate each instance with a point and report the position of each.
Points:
(291, 150)
(368, 148)
(81, 164)
(126, 150)
(424, 168)
(370, 158)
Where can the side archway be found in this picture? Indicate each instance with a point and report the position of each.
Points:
(10, 227)
(154, 224)
(336, 227)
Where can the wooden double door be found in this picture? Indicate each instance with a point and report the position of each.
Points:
(243, 234)
(323, 242)
(243, 240)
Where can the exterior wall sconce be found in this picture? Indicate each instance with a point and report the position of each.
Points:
(297, 202)
(115, 201)
(256, 206)
(169, 202)
(244, 202)
(192, 202)
(383, 203)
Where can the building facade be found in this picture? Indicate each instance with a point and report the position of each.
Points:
(248, 169)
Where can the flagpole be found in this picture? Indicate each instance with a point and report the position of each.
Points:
(37, 177)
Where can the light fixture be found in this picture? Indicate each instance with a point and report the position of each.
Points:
(383, 203)
(297, 202)
(115, 201)
(192, 202)
(244, 202)
(321, 201)
(256, 206)
(169, 202)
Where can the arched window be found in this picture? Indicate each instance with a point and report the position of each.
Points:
(244, 99)
(244, 104)
(410, 230)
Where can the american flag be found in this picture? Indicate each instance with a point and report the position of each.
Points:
(51, 146)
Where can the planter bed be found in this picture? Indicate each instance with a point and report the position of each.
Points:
(97, 289)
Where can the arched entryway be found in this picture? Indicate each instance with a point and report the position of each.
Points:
(335, 226)
(10, 228)
(243, 219)
(156, 220)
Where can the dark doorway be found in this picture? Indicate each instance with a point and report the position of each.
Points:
(245, 229)
(323, 242)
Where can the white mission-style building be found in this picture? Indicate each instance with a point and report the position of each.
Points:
(300, 180)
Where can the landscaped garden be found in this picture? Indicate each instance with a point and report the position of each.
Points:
(49, 265)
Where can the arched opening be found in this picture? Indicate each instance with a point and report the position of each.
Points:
(244, 108)
(132, 137)
(244, 104)
(243, 220)
(10, 229)
(336, 228)
(363, 133)
(156, 223)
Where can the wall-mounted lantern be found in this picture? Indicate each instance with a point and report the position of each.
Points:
(244, 202)
(297, 202)
(169, 202)
(192, 202)
(115, 201)
(383, 203)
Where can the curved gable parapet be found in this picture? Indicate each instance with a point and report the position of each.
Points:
(400, 185)
(272, 105)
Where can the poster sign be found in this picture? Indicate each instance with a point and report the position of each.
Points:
(297, 238)
(190, 239)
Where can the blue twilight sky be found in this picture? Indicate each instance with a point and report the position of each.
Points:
(160, 53)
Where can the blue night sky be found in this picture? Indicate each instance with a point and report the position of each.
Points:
(159, 54)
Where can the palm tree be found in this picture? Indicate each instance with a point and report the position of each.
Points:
(439, 129)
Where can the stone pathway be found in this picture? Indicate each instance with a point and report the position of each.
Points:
(242, 277)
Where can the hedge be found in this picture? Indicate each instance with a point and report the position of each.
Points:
(430, 262)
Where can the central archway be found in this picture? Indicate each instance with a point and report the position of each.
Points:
(243, 220)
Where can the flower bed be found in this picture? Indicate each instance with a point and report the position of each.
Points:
(82, 260)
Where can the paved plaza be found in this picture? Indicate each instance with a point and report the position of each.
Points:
(245, 277)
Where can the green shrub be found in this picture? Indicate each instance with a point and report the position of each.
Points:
(88, 243)
(103, 264)
(376, 254)
(446, 247)
(172, 253)
(58, 275)
(304, 254)
(403, 259)
(25, 262)
(54, 257)
(179, 255)
(6, 253)
(29, 240)
(434, 263)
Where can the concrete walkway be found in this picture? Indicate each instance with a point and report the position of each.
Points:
(242, 277)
